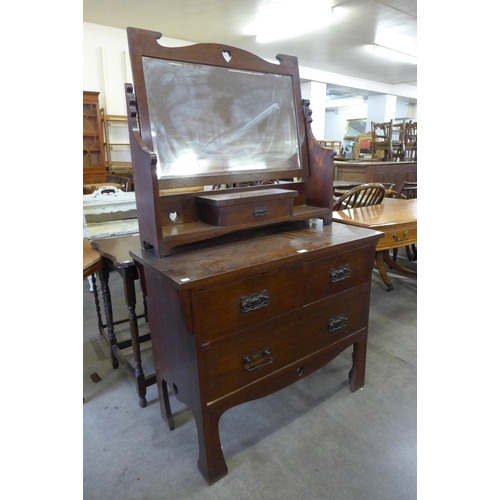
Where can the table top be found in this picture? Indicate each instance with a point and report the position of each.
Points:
(258, 249)
(92, 260)
(390, 212)
(118, 249)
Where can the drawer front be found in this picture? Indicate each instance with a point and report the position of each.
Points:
(333, 318)
(401, 237)
(255, 352)
(256, 211)
(235, 305)
(333, 274)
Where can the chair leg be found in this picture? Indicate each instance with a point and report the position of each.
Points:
(411, 252)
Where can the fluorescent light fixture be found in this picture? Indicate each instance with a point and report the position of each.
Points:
(393, 54)
(281, 19)
(348, 101)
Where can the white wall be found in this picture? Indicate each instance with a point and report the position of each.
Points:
(335, 120)
(106, 64)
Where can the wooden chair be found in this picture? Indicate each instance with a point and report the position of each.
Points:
(335, 145)
(398, 142)
(365, 145)
(388, 140)
(407, 191)
(360, 196)
(390, 192)
(411, 141)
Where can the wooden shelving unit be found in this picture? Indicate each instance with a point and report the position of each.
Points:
(116, 144)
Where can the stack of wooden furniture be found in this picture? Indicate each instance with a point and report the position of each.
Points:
(379, 167)
(388, 140)
(394, 141)
(411, 141)
(252, 288)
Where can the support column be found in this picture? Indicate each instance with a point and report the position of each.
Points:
(316, 93)
(381, 108)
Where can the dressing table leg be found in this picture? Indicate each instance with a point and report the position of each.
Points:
(165, 409)
(357, 373)
(211, 461)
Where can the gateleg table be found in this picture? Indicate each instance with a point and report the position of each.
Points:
(116, 257)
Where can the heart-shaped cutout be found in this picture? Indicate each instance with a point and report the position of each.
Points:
(173, 216)
(226, 55)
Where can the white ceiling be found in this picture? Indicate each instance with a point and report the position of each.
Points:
(341, 46)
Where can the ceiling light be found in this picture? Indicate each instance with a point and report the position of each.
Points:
(393, 54)
(349, 101)
(285, 18)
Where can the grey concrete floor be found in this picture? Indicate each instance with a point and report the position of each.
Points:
(313, 440)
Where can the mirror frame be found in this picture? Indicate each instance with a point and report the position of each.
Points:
(145, 44)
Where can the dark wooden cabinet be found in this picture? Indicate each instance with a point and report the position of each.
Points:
(385, 172)
(94, 167)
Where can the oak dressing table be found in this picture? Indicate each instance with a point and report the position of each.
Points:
(249, 288)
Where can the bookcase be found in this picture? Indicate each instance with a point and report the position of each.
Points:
(94, 168)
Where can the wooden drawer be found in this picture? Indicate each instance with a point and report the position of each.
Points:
(405, 234)
(253, 353)
(227, 208)
(333, 274)
(235, 305)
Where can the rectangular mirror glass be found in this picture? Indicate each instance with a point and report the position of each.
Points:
(354, 128)
(209, 120)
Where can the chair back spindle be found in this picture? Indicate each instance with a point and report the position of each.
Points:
(361, 196)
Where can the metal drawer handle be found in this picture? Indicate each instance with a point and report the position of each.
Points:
(252, 358)
(259, 212)
(337, 323)
(405, 236)
(340, 273)
(254, 301)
